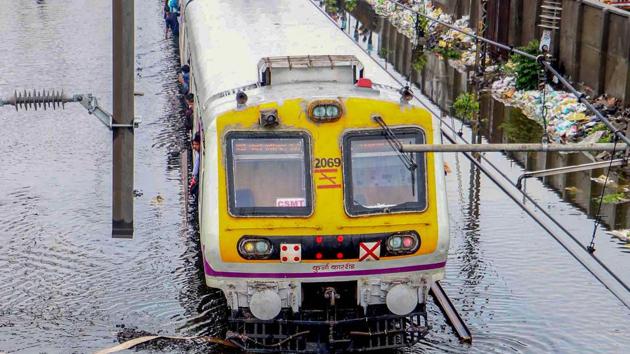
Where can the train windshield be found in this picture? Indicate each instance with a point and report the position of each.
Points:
(376, 179)
(269, 174)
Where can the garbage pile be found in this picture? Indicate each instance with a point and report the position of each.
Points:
(439, 39)
(567, 119)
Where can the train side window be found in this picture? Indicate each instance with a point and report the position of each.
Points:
(269, 174)
(376, 181)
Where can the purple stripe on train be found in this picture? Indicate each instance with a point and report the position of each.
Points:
(324, 273)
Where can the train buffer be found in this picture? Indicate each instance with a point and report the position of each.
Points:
(449, 311)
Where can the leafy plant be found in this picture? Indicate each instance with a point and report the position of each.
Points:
(447, 51)
(508, 68)
(350, 5)
(422, 27)
(331, 6)
(607, 137)
(613, 198)
(419, 59)
(599, 127)
(526, 69)
(465, 106)
(384, 53)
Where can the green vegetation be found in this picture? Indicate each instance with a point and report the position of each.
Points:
(448, 52)
(526, 69)
(607, 137)
(331, 6)
(465, 106)
(508, 68)
(419, 59)
(613, 198)
(350, 5)
(423, 24)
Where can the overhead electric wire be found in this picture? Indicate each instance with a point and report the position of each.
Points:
(624, 299)
(591, 246)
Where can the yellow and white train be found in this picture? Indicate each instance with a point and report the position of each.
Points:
(322, 236)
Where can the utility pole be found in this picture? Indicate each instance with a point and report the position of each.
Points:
(123, 118)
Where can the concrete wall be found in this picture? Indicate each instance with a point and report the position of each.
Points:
(594, 47)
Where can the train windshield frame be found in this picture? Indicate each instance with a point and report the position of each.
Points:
(376, 181)
(269, 174)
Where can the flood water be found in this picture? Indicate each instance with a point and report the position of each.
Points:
(68, 287)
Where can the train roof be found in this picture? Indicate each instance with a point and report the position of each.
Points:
(226, 40)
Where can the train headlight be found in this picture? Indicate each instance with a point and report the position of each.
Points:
(323, 111)
(332, 111)
(262, 247)
(403, 243)
(395, 242)
(319, 111)
(254, 248)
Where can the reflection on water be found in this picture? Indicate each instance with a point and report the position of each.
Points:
(520, 129)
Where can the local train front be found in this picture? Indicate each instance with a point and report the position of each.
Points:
(324, 238)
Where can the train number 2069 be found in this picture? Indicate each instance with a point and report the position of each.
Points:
(327, 162)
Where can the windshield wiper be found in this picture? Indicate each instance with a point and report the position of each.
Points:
(396, 145)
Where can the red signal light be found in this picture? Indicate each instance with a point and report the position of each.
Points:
(407, 242)
(319, 239)
(319, 255)
(340, 238)
(340, 255)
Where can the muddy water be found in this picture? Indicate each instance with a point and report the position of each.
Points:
(68, 287)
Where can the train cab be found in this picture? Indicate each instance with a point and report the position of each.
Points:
(318, 230)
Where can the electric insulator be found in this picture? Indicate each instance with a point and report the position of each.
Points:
(39, 99)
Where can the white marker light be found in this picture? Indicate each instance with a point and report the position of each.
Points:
(265, 305)
(401, 299)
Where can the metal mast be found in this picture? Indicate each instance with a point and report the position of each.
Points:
(123, 115)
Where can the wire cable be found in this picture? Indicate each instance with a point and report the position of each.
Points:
(591, 247)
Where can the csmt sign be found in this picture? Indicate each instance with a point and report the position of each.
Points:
(291, 202)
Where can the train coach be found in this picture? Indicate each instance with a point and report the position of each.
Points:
(320, 233)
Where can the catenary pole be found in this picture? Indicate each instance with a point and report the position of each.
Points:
(123, 116)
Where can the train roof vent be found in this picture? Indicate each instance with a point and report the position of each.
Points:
(309, 68)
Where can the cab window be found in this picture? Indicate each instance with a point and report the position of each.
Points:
(375, 177)
(269, 174)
